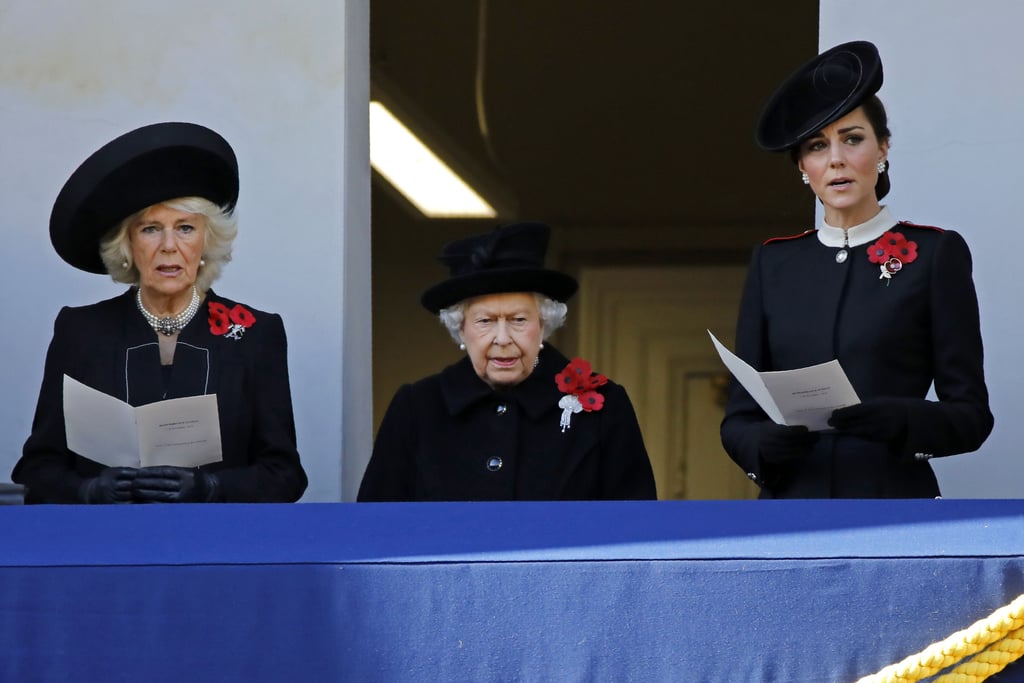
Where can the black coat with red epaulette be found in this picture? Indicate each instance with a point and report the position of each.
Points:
(109, 346)
(451, 437)
(893, 338)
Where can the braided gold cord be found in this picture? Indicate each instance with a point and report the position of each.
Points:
(1005, 621)
(989, 662)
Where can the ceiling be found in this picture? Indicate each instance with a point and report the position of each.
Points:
(590, 113)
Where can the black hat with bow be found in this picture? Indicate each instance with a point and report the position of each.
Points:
(143, 167)
(821, 91)
(510, 258)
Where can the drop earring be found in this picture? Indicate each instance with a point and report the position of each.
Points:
(806, 178)
(881, 166)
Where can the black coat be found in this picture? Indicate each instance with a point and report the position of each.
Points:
(110, 347)
(893, 339)
(440, 434)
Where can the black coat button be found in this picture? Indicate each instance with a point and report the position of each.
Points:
(501, 409)
(494, 464)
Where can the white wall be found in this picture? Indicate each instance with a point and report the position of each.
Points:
(954, 90)
(287, 85)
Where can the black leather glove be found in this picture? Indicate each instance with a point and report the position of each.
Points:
(167, 484)
(781, 444)
(878, 419)
(112, 485)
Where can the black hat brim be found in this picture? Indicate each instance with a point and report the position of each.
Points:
(550, 283)
(143, 167)
(808, 100)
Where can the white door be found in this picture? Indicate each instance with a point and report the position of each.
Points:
(646, 328)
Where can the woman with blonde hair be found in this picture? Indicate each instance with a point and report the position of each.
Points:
(154, 209)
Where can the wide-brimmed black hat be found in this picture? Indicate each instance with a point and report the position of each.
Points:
(510, 258)
(824, 89)
(143, 167)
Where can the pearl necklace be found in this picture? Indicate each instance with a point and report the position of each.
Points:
(170, 324)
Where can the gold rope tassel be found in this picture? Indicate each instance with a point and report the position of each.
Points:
(1003, 630)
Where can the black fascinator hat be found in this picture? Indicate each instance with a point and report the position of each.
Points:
(510, 258)
(821, 91)
(143, 167)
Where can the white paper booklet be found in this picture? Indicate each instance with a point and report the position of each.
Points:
(805, 396)
(179, 431)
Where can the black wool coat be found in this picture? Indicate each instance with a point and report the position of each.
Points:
(110, 347)
(450, 437)
(893, 338)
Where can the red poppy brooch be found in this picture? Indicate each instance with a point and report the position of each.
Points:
(579, 384)
(230, 323)
(891, 252)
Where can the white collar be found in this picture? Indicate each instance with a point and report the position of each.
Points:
(870, 230)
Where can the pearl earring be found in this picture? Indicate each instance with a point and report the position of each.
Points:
(202, 262)
(124, 264)
(881, 166)
(806, 178)
(462, 347)
(542, 345)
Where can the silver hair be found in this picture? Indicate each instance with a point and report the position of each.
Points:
(221, 230)
(552, 316)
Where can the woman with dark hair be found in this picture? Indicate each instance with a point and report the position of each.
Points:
(154, 209)
(893, 301)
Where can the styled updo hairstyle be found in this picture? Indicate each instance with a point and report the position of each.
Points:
(874, 110)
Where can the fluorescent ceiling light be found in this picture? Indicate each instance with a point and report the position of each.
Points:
(416, 172)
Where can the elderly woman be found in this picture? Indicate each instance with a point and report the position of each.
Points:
(514, 419)
(894, 302)
(155, 209)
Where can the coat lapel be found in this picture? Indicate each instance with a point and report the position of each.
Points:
(461, 387)
(536, 394)
(191, 374)
(539, 393)
(196, 357)
(139, 367)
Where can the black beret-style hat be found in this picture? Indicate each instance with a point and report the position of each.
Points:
(510, 258)
(821, 91)
(143, 167)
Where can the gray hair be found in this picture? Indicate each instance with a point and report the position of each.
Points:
(552, 316)
(221, 229)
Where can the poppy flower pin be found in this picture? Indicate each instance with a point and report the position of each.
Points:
(230, 323)
(579, 383)
(891, 252)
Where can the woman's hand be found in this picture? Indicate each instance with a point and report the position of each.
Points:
(112, 485)
(879, 419)
(781, 444)
(166, 484)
